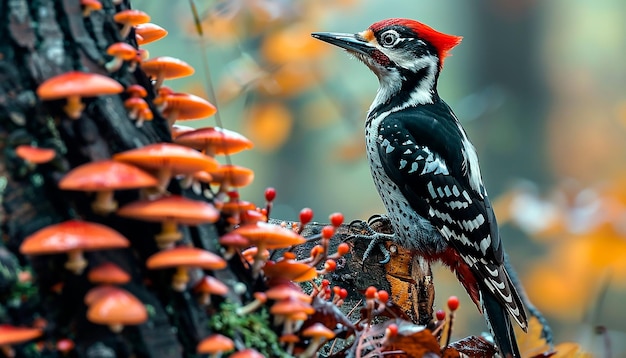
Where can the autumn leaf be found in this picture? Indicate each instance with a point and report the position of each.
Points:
(532, 344)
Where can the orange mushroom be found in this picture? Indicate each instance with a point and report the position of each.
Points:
(130, 18)
(214, 140)
(35, 155)
(149, 32)
(185, 106)
(182, 258)
(208, 286)
(12, 335)
(117, 308)
(247, 353)
(89, 6)
(168, 160)
(178, 130)
(136, 91)
(97, 292)
(134, 105)
(75, 85)
(215, 345)
(121, 51)
(268, 236)
(231, 176)
(104, 177)
(171, 211)
(73, 237)
(108, 273)
(318, 334)
(165, 67)
(145, 114)
(290, 270)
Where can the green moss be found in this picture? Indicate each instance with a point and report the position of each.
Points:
(253, 329)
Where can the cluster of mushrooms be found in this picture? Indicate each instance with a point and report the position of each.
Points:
(190, 160)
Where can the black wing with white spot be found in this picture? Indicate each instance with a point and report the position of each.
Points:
(435, 180)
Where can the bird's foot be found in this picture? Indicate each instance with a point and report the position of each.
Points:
(377, 239)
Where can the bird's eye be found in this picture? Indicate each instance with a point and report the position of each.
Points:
(389, 38)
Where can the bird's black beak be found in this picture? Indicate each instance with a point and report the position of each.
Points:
(351, 42)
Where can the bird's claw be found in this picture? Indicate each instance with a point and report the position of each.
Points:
(376, 238)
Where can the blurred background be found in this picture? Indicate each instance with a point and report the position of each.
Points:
(540, 87)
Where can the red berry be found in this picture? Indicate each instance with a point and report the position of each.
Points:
(325, 283)
(233, 194)
(343, 293)
(317, 250)
(370, 292)
(330, 265)
(328, 232)
(306, 215)
(343, 249)
(453, 303)
(270, 194)
(441, 315)
(392, 330)
(383, 296)
(336, 219)
(336, 290)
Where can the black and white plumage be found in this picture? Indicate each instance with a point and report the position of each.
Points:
(426, 169)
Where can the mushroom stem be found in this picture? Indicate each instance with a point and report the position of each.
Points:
(116, 327)
(76, 262)
(180, 279)
(169, 234)
(312, 348)
(164, 176)
(114, 64)
(104, 203)
(171, 118)
(125, 30)
(259, 260)
(159, 80)
(74, 107)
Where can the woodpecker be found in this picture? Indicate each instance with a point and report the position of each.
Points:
(426, 169)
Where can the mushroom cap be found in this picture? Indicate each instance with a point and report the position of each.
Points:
(95, 293)
(177, 130)
(135, 103)
(247, 353)
(215, 343)
(188, 106)
(35, 155)
(234, 240)
(10, 335)
(209, 284)
(291, 270)
(167, 67)
(106, 175)
(136, 91)
(108, 272)
(180, 159)
(92, 4)
(269, 236)
(72, 235)
(76, 83)
(287, 290)
(234, 175)
(235, 206)
(186, 257)
(290, 306)
(149, 32)
(131, 17)
(117, 306)
(318, 330)
(122, 50)
(174, 207)
(223, 141)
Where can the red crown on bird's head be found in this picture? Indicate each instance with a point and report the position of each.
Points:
(442, 42)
